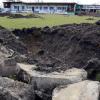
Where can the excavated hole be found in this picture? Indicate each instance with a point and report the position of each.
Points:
(55, 49)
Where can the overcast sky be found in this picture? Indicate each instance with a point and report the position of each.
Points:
(78, 1)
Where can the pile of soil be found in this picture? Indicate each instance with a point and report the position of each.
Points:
(90, 19)
(9, 15)
(53, 49)
(94, 14)
(9, 42)
(62, 47)
(23, 16)
(4, 14)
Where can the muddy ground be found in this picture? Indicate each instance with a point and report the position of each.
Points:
(62, 47)
(57, 48)
(52, 49)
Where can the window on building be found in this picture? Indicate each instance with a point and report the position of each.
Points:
(37, 7)
(63, 8)
(15, 7)
(59, 8)
(70, 8)
(45, 8)
(7, 5)
(23, 7)
(41, 8)
(0, 10)
(29, 7)
(51, 8)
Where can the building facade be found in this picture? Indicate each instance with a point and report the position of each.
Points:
(40, 7)
(91, 8)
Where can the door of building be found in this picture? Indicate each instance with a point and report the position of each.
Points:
(18, 8)
(33, 9)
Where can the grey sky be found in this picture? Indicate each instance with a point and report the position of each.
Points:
(79, 1)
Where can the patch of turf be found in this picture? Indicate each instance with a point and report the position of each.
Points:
(98, 77)
(44, 20)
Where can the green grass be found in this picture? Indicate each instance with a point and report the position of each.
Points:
(46, 20)
(98, 77)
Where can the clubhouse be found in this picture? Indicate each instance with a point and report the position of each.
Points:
(41, 7)
(69, 8)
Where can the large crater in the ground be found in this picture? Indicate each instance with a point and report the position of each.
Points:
(62, 47)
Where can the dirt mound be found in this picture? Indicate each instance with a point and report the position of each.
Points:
(98, 22)
(23, 16)
(90, 19)
(94, 14)
(62, 47)
(9, 15)
(51, 49)
(11, 45)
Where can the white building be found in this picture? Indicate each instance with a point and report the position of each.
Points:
(91, 8)
(40, 7)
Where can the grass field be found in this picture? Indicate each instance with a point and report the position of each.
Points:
(46, 20)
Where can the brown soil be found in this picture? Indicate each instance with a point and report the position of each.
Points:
(62, 47)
